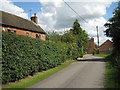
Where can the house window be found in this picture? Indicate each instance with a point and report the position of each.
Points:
(38, 36)
(27, 34)
(42, 36)
(11, 31)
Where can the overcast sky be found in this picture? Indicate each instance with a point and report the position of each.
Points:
(55, 15)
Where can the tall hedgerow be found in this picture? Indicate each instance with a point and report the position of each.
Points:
(23, 56)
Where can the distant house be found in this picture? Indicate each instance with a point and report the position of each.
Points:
(106, 47)
(17, 25)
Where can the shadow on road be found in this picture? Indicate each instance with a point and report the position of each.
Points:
(95, 59)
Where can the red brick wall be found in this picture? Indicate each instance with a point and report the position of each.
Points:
(22, 32)
(106, 47)
(91, 45)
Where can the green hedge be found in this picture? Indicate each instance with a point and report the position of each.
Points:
(23, 56)
(0, 57)
(114, 57)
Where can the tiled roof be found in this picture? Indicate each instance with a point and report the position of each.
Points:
(105, 42)
(19, 22)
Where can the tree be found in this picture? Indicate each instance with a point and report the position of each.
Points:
(81, 37)
(113, 27)
(113, 30)
(68, 37)
(53, 36)
(76, 28)
(75, 39)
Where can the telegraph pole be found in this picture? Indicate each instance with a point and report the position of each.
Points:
(97, 35)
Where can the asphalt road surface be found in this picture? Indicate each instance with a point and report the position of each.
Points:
(87, 73)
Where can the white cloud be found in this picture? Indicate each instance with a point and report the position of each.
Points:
(8, 6)
(56, 15)
(96, 1)
(91, 29)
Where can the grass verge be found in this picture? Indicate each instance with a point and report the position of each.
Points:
(101, 55)
(30, 80)
(112, 76)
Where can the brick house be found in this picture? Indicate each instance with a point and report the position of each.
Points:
(106, 47)
(17, 25)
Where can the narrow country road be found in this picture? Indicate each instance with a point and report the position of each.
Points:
(87, 73)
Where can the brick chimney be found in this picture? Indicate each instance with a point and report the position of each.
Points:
(92, 39)
(92, 45)
(34, 18)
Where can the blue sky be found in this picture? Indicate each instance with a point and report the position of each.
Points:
(110, 10)
(35, 6)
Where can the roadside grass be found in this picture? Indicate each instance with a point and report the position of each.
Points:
(30, 80)
(112, 76)
(101, 55)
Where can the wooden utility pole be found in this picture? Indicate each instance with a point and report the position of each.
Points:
(97, 35)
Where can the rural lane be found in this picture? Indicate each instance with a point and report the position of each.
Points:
(87, 73)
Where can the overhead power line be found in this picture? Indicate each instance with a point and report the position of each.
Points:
(50, 28)
(30, 11)
(83, 19)
(75, 11)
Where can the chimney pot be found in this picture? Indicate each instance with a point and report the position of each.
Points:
(34, 14)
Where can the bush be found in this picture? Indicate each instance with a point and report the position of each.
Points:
(23, 56)
(114, 62)
(114, 58)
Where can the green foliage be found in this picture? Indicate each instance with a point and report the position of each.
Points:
(114, 58)
(81, 37)
(53, 36)
(113, 30)
(96, 50)
(113, 27)
(112, 76)
(75, 40)
(76, 28)
(72, 47)
(101, 55)
(23, 56)
(0, 56)
(68, 37)
(113, 72)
